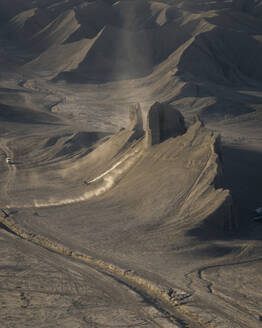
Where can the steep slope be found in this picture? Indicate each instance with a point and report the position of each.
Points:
(131, 208)
(253, 7)
(130, 38)
(165, 205)
(222, 57)
(122, 168)
(41, 29)
(20, 114)
(60, 58)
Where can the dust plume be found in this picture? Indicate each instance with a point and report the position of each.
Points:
(109, 179)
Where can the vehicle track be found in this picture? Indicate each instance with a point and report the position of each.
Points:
(218, 301)
(109, 290)
(11, 169)
(153, 294)
(106, 180)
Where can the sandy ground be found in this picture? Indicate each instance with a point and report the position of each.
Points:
(124, 205)
(51, 291)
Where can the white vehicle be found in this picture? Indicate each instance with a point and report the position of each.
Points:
(8, 160)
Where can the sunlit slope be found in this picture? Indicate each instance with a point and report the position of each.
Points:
(191, 54)
(180, 52)
(128, 39)
(168, 181)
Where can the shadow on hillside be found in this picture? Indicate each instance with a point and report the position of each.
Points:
(243, 176)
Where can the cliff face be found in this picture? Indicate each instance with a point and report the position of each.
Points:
(163, 122)
(138, 205)
(206, 199)
(173, 168)
(164, 174)
(208, 204)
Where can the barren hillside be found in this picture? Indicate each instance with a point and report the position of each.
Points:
(131, 155)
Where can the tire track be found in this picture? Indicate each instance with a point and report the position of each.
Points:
(88, 280)
(153, 294)
(11, 169)
(105, 181)
(198, 282)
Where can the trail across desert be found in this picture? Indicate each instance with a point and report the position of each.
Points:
(130, 163)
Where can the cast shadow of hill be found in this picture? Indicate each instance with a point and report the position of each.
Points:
(227, 102)
(18, 114)
(243, 176)
(197, 6)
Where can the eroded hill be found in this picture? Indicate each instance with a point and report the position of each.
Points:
(152, 197)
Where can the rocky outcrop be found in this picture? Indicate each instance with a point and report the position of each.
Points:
(163, 122)
(136, 120)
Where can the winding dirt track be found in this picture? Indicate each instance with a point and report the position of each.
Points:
(68, 262)
(11, 170)
(86, 292)
(127, 280)
(152, 293)
(124, 281)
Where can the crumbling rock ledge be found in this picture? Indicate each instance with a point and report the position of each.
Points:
(209, 205)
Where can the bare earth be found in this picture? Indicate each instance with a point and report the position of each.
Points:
(101, 225)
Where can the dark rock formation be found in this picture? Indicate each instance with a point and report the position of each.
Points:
(163, 122)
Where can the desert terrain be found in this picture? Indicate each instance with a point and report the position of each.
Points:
(130, 163)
